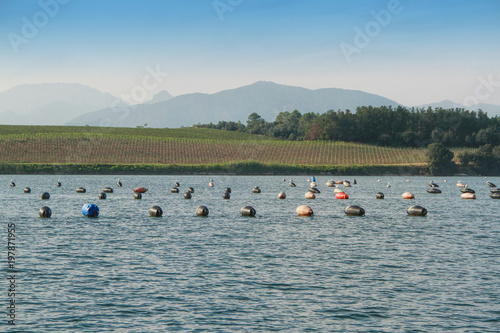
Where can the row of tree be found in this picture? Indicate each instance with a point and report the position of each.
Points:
(383, 125)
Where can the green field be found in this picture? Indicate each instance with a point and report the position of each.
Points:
(189, 147)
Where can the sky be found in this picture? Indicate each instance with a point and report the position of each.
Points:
(411, 51)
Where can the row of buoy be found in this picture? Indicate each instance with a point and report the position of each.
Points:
(92, 210)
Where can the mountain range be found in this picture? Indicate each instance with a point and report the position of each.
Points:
(76, 104)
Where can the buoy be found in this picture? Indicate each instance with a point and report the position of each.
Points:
(304, 210)
(339, 182)
(140, 190)
(495, 195)
(467, 190)
(407, 180)
(313, 184)
(27, 190)
(12, 184)
(107, 190)
(433, 190)
(445, 181)
(314, 190)
(354, 211)
(416, 211)
(211, 184)
(378, 180)
(187, 195)
(330, 183)
(284, 179)
(228, 190)
(495, 190)
(202, 211)
(354, 182)
(248, 211)
(174, 190)
(102, 196)
(310, 195)
(226, 195)
(45, 212)
(282, 195)
(337, 190)
(155, 211)
(346, 183)
(81, 190)
(177, 184)
(379, 195)
(45, 196)
(119, 183)
(490, 184)
(256, 189)
(341, 196)
(388, 184)
(459, 184)
(90, 210)
(190, 190)
(292, 184)
(432, 184)
(408, 195)
(137, 196)
(468, 195)
(58, 184)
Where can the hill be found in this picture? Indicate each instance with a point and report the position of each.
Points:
(266, 98)
(50, 103)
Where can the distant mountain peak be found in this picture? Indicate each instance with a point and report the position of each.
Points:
(161, 96)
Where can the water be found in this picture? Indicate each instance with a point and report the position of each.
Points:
(128, 272)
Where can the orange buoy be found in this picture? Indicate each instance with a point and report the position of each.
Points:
(408, 195)
(310, 195)
(468, 195)
(141, 190)
(341, 196)
(304, 210)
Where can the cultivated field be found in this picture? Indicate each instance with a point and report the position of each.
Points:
(52, 144)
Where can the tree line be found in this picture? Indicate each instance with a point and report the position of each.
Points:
(383, 126)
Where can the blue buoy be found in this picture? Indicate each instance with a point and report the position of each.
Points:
(90, 210)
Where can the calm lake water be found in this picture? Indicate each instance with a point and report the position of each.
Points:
(128, 272)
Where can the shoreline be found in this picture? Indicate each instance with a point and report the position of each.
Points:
(235, 168)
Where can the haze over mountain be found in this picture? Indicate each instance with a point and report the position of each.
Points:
(162, 96)
(268, 99)
(50, 103)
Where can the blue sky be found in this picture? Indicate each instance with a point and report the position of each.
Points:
(419, 51)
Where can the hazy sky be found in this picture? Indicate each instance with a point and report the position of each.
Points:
(411, 51)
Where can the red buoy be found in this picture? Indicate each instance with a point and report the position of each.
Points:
(341, 195)
(141, 190)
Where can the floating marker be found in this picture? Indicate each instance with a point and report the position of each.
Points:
(416, 211)
(202, 211)
(155, 211)
(304, 210)
(102, 196)
(45, 196)
(45, 212)
(354, 211)
(90, 210)
(27, 190)
(81, 190)
(248, 211)
(187, 195)
(379, 195)
(137, 196)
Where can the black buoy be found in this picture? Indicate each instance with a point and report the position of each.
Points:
(187, 195)
(58, 184)
(433, 190)
(495, 190)
(81, 190)
(256, 189)
(45, 196)
(202, 211)
(292, 184)
(379, 195)
(314, 190)
(45, 212)
(226, 195)
(228, 190)
(248, 211)
(432, 184)
(416, 211)
(119, 183)
(107, 190)
(354, 182)
(354, 211)
(174, 190)
(190, 190)
(495, 195)
(137, 196)
(467, 190)
(490, 184)
(102, 195)
(177, 184)
(12, 184)
(155, 211)
(27, 190)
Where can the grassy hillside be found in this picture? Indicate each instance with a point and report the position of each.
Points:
(185, 146)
